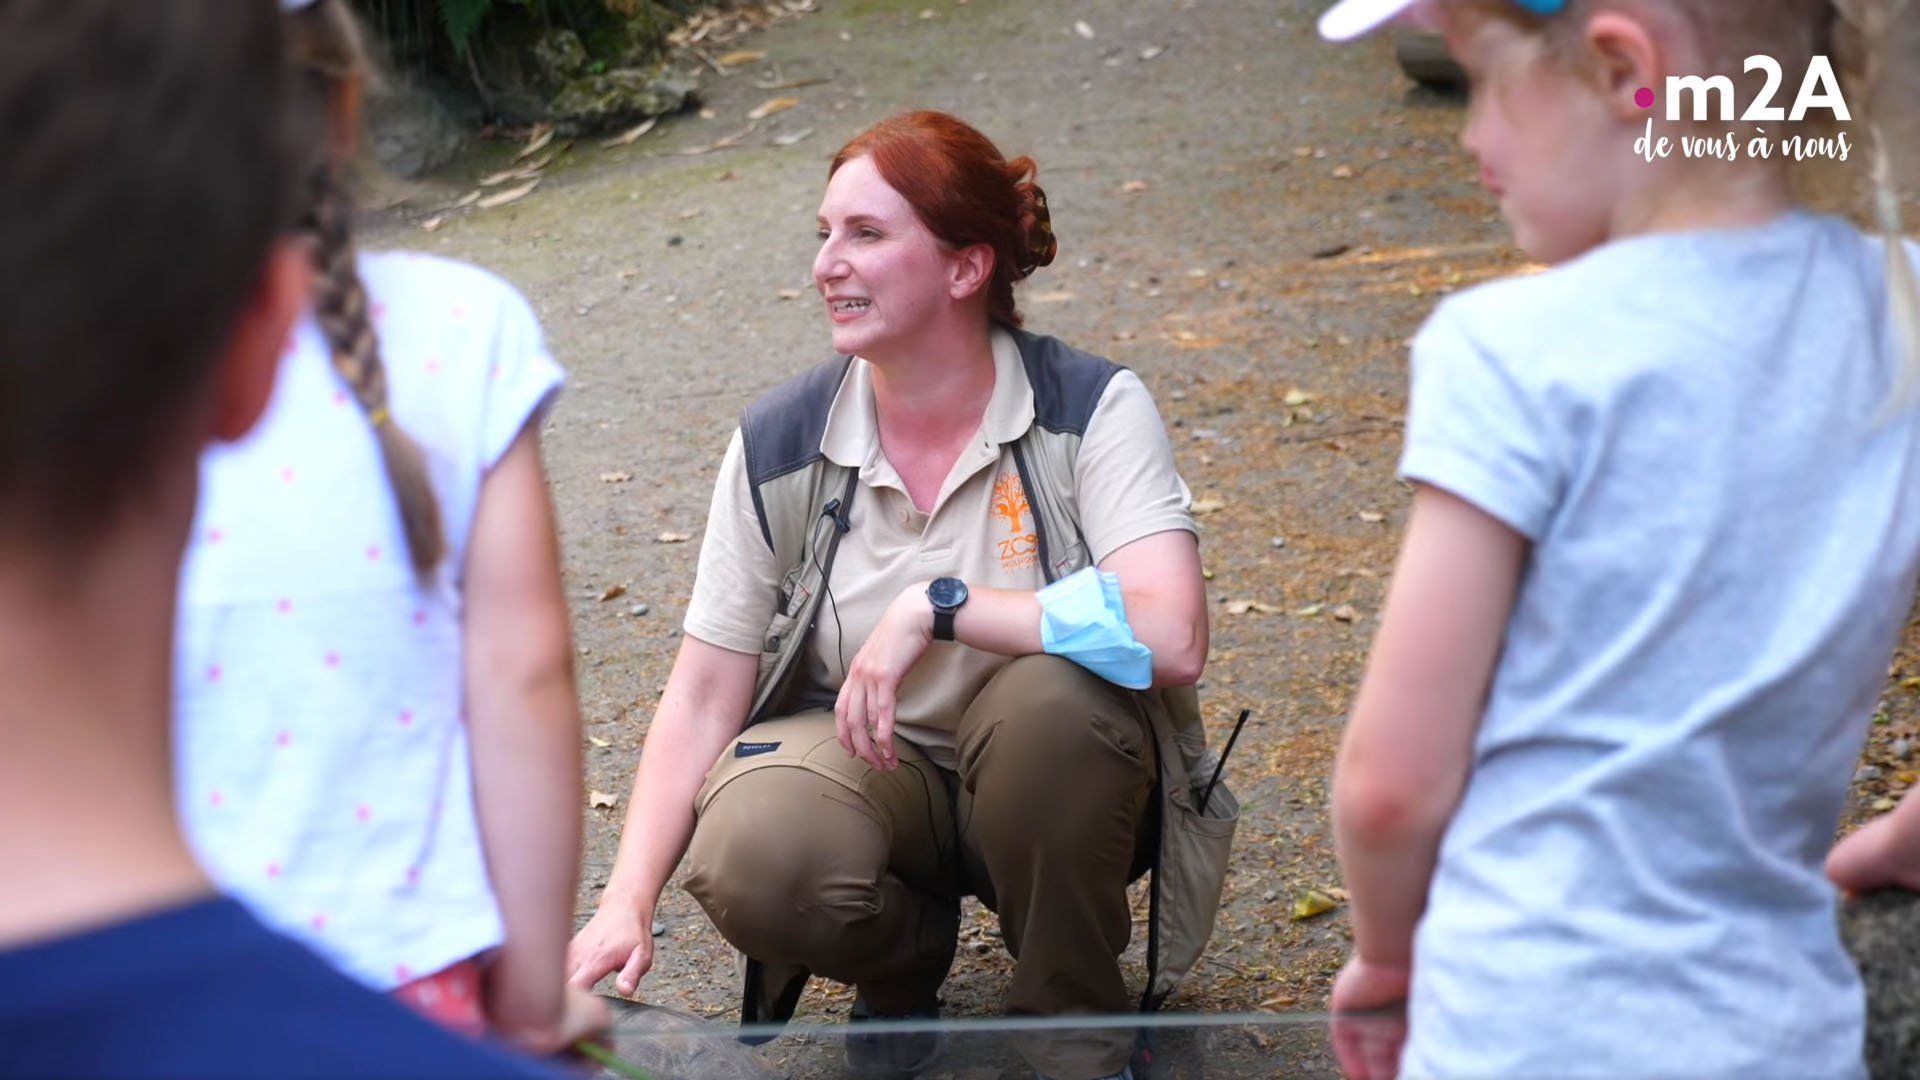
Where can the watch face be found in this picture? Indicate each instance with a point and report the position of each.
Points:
(947, 592)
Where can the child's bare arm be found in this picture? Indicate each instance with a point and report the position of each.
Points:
(524, 722)
(1409, 744)
(1883, 853)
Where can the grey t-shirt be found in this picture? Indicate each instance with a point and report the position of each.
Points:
(1689, 428)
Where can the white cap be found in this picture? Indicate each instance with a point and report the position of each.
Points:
(1349, 19)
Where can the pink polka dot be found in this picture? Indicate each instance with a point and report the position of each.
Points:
(403, 973)
(459, 311)
(213, 673)
(406, 717)
(332, 659)
(214, 536)
(493, 371)
(285, 605)
(273, 869)
(379, 310)
(373, 553)
(286, 476)
(214, 798)
(420, 618)
(433, 364)
(319, 922)
(413, 875)
(339, 397)
(284, 739)
(363, 812)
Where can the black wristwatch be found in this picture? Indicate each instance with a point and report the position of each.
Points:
(947, 594)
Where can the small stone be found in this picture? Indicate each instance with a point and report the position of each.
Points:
(1279, 541)
(659, 928)
(675, 240)
(1867, 773)
(637, 609)
(1902, 748)
(1178, 395)
(1270, 896)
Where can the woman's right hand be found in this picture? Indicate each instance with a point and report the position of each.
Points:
(619, 937)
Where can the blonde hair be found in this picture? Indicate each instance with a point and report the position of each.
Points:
(1867, 39)
(331, 56)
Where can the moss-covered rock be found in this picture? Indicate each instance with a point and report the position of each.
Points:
(619, 98)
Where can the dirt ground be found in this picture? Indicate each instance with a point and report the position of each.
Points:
(1252, 220)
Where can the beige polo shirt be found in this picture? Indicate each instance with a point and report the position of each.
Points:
(979, 531)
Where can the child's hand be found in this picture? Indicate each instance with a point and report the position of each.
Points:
(1883, 853)
(583, 1015)
(1369, 1045)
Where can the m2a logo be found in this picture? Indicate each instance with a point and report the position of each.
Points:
(1820, 89)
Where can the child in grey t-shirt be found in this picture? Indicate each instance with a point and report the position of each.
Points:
(1664, 534)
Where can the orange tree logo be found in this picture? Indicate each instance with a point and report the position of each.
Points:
(1010, 505)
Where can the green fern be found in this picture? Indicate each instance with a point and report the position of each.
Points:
(462, 20)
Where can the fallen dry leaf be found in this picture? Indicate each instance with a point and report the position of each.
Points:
(1297, 397)
(1311, 610)
(740, 56)
(1208, 506)
(721, 143)
(1281, 1001)
(614, 592)
(536, 142)
(1058, 296)
(1241, 607)
(1343, 172)
(627, 137)
(772, 105)
(1133, 187)
(792, 137)
(789, 294)
(599, 799)
(620, 477)
(1080, 27)
(433, 224)
(1346, 613)
(673, 538)
(689, 215)
(793, 84)
(1313, 902)
(468, 199)
(1152, 51)
(1372, 517)
(510, 195)
(598, 741)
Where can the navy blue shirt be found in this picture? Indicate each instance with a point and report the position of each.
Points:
(207, 991)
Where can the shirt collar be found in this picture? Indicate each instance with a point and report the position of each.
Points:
(852, 435)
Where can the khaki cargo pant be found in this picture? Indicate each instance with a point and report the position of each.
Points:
(807, 858)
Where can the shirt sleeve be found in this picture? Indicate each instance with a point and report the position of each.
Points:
(735, 587)
(1478, 429)
(523, 379)
(1125, 477)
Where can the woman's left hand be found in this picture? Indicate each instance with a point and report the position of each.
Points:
(863, 715)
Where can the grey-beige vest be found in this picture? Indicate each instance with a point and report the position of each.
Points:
(803, 501)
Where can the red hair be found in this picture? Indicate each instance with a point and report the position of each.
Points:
(965, 193)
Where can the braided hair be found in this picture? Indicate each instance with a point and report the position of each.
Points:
(328, 50)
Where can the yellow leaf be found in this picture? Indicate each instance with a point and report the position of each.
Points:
(1297, 397)
(510, 195)
(599, 799)
(1133, 187)
(772, 105)
(740, 56)
(1883, 804)
(598, 741)
(1208, 506)
(1313, 902)
(614, 592)
(1310, 610)
(1239, 607)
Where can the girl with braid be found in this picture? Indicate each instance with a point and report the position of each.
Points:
(378, 733)
(1665, 523)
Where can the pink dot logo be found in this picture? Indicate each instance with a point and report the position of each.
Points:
(214, 798)
(213, 673)
(285, 606)
(363, 812)
(284, 739)
(1643, 97)
(273, 869)
(373, 553)
(332, 659)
